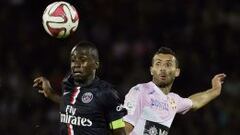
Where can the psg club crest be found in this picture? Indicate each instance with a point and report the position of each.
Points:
(87, 97)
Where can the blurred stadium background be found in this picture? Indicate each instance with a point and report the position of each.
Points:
(204, 33)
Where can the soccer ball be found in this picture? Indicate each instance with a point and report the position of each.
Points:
(60, 19)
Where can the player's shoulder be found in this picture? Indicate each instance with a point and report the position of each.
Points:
(105, 88)
(104, 85)
(174, 95)
(67, 82)
(141, 88)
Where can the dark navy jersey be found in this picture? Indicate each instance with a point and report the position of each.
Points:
(89, 110)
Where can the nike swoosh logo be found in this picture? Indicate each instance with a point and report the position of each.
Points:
(65, 93)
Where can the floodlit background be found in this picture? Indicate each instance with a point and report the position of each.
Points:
(204, 34)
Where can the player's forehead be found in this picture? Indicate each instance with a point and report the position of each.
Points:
(164, 57)
(80, 53)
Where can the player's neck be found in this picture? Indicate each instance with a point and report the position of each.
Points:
(166, 89)
(87, 81)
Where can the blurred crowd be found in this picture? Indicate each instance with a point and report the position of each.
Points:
(204, 34)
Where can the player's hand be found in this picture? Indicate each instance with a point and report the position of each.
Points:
(217, 82)
(43, 86)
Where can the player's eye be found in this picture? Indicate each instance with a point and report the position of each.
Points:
(168, 64)
(83, 59)
(73, 60)
(158, 63)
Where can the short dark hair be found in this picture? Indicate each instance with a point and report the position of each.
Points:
(87, 46)
(166, 50)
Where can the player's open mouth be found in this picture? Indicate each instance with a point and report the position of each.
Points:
(77, 72)
(163, 77)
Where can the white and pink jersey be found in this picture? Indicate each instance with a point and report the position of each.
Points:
(150, 111)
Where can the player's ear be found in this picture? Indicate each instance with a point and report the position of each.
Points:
(177, 73)
(151, 70)
(97, 64)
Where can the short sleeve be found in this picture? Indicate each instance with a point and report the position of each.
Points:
(133, 105)
(183, 104)
(112, 105)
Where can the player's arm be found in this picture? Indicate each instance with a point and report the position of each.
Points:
(118, 127)
(202, 98)
(120, 131)
(45, 88)
(114, 110)
(133, 105)
(128, 128)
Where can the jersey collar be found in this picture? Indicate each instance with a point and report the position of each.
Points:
(156, 88)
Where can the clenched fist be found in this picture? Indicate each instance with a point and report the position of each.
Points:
(217, 82)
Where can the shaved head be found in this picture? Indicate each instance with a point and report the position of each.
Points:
(86, 47)
(84, 61)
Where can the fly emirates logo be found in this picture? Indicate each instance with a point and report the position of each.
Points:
(69, 118)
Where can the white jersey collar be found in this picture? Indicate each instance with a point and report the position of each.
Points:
(156, 88)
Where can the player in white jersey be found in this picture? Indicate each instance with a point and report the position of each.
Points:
(152, 107)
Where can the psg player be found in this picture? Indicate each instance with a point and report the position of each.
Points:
(88, 105)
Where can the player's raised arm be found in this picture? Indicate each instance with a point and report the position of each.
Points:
(202, 98)
(44, 87)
